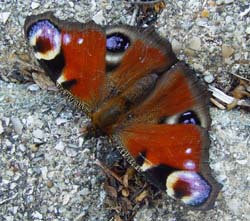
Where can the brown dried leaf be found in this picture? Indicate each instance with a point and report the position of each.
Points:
(232, 105)
(125, 180)
(141, 196)
(159, 6)
(111, 191)
(43, 81)
(241, 90)
(217, 104)
(126, 204)
(117, 218)
(130, 172)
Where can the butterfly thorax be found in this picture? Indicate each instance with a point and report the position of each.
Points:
(114, 110)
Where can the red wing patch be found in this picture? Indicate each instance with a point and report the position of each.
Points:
(165, 144)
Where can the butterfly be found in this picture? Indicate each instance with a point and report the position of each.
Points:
(131, 84)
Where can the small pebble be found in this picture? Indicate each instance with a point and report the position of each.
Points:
(37, 215)
(33, 87)
(205, 13)
(98, 17)
(44, 171)
(242, 162)
(4, 16)
(22, 147)
(211, 3)
(17, 125)
(234, 205)
(60, 146)
(34, 5)
(226, 51)
(195, 44)
(1, 127)
(13, 186)
(80, 141)
(220, 2)
(228, 1)
(65, 198)
(50, 184)
(8, 218)
(71, 4)
(34, 147)
(84, 192)
(176, 45)
(71, 152)
(38, 134)
(60, 121)
(209, 78)
(248, 30)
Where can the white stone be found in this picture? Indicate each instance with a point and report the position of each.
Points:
(80, 141)
(248, 30)
(1, 127)
(38, 134)
(209, 78)
(35, 5)
(6, 121)
(22, 147)
(176, 45)
(17, 125)
(33, 87)
(9, 218)
(4, 17)
(13, 186)
(195, 44)
(15, 209)
(98, 17)
(234, 205)
(220, 2)
(37, 215)
(66, 198)
(70, 152)
(44, 171)
(242, 162)
(228, 1)
(60, 146)
(71, 4)
(84, 192)
(60, 121)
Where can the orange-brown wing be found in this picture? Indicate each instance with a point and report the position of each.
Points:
(72, 54)
(166, 138)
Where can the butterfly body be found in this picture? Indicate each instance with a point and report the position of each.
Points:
(135, 90)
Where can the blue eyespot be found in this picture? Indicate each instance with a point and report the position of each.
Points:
(117, 42)
(45, 38)
(189, 117)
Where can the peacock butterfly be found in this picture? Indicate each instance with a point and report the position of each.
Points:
(130, 83)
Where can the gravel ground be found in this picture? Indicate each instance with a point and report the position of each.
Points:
(47, 169)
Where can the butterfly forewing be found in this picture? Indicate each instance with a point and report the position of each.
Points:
(72, 54)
